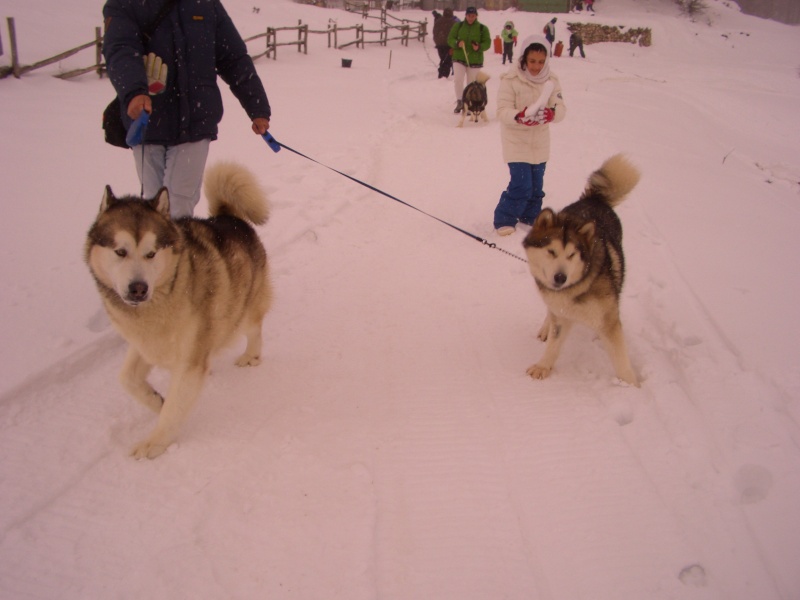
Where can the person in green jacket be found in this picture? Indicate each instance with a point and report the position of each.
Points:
(509, 37)
(469, 39)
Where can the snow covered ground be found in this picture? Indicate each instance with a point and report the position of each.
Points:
(391, 445)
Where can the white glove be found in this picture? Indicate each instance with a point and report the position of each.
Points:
(156, 72)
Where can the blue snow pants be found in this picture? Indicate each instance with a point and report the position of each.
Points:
(522, 200)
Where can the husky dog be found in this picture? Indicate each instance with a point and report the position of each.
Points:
(576, 258)
(474, 100)
(178, 291)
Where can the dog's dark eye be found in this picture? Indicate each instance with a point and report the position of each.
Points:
(150, 255)
(571, 256)
(552, 253)
(121, 252)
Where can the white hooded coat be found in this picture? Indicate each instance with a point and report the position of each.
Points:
(524, 143)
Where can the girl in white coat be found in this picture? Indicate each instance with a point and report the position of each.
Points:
(529, 100)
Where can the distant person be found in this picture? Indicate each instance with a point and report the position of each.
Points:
(576, 42)
(509, 37)
(172, 75)
(589, 6)
(526, 137)
(550, 33)
(442, 24)
(577, 6)
(469, 39)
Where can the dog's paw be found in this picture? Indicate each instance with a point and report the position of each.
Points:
(245, 360)
(629, 379)
(148, 449)
(538, 372)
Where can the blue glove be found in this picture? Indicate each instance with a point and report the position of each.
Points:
(272, 142)
(136, 132)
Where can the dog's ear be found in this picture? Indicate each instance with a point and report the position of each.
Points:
(160, 202)
(108, 200)
(587, 231)
(545, 220)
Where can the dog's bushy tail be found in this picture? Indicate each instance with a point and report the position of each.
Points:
(613, 180)
(231, 189)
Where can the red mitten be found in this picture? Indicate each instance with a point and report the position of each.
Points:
(523, 120)
(545, 115)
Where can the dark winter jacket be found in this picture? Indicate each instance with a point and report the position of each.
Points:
(442, 26)
(197, 40)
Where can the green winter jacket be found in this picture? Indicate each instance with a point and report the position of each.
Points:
(509, 35)
(478, 33)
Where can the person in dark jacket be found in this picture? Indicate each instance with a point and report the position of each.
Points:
(173, 76)
(442, 24)
(576, 43)
(550, 33)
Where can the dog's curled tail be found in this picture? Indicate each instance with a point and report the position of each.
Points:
(613, 181)
(231, 189)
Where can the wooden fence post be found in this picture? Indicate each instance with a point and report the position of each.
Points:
(12, 39)
(98, 36)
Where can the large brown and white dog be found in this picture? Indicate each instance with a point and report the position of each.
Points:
(576, 258)
(180, 290)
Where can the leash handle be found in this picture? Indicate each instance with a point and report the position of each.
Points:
(272, 142)
(136, 131)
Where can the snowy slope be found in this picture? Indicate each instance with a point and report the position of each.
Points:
(391, 445)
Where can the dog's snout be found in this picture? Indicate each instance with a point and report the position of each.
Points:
(559, 279)
(137, 291)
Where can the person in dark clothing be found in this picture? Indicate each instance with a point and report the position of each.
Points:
(442, 24)
(576, 41)
(550, 33)
(173, 76)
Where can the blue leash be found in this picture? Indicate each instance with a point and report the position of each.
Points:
(276, 147)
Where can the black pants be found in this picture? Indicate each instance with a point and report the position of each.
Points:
(579, 47)
(445, 61)
(508, 51)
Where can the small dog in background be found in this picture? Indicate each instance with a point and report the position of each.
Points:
(576, 258)
(474, 100)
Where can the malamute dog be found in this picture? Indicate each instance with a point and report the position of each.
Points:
(576, 258)
(474, 100)
(178, 291)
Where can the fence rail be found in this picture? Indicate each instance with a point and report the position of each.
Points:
(17, 70)
(405, 28)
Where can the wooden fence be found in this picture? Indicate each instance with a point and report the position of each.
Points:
(403, 30)
(17, 69)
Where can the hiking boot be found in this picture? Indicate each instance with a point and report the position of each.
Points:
(459, 106)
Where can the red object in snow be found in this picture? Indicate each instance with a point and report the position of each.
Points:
(498, 45)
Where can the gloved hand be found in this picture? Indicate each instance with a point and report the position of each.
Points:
(545, 115)
(523, 120)
(156, 74)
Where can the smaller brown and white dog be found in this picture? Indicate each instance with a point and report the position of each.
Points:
(474, 100)
(576, 258)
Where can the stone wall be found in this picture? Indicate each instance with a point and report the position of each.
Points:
(593, 33)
